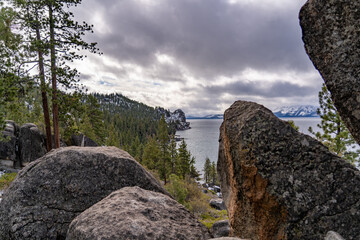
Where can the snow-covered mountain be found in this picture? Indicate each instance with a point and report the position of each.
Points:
(210, 116)
(297, 111)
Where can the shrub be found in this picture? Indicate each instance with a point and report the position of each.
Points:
(6, 179)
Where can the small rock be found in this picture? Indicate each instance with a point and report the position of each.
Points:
(217, 203)
(333, 236)
(220, 229)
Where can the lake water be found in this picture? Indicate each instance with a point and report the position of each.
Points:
(202, 138)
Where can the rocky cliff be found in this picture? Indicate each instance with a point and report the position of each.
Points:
(331, 33)
(176, 118)
(280, 184)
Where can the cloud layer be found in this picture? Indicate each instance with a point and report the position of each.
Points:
(200, 55)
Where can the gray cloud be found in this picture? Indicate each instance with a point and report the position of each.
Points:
(267, 90)
(207, 39)
(210, 38)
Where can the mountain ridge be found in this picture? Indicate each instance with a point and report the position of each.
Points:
(281, 112)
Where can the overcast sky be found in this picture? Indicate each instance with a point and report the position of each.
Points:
(199, 55)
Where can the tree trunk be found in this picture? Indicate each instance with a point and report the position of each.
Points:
(43, 93)
(53, 79)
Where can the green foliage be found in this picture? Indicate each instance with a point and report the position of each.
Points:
(210, 173)
(292, 124)
(334, 133)
(212, 216)
(151, 154)
(207, 170)
(177, 188)
(6, 179)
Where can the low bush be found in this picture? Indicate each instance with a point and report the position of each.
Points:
(188, 193)
(6, 179)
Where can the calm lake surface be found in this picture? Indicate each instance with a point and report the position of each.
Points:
(202, 138)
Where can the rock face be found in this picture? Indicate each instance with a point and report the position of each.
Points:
(51, 191)
(280, 184)
(32, 143)
(134, 213)
(331, 33)
(82, 141)
(220, 229)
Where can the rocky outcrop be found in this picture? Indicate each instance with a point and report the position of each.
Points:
(220, 229)
(51, 191)
(331, 33)
(82, 141)
(32, 143)
(134, 213)
(21, 145)
(8, 144)
(176, 118)
(280, 184)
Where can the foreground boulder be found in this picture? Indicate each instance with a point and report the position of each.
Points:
(51, 191)
(331, 33)
(280, 184)
(32, 143)
(134, 213)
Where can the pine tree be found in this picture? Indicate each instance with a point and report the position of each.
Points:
(207, 170)
(213, 173)
(163, 138)
(56, 38)
(10, 61)
(334, 133)
(151, 154)
(184, 160)
(173, 154)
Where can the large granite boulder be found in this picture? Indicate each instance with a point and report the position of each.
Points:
(280, 184)
(135, 213)
(32, 143)
(331, 33)
(51, 191)
(8, 145)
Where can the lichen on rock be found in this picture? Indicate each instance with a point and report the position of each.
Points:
(280, 184)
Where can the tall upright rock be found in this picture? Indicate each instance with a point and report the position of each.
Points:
(280, 184)
(331, 33)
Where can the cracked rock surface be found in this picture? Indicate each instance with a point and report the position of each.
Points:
(51, 191)
(135, 213)
(280, 184)
(331, 33)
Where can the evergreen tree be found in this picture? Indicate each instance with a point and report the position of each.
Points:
(184, 160)
(56, 38)
(10, 61)
(163, 138)
(173, 154)
(112, 139)
(334, 133)
(151, 154)
(213, 173)
(207, 170)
